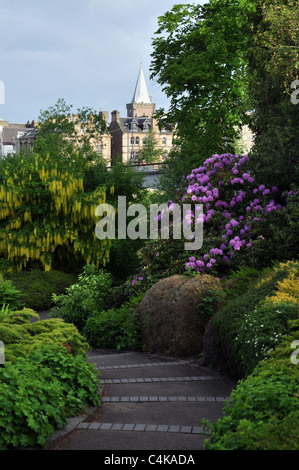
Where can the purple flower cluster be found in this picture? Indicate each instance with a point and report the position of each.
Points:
(233, 207)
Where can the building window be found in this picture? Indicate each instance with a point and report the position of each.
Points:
(164, 141)
(137, 141)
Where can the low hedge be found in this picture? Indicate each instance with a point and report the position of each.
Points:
(36, 287)
(20, 336)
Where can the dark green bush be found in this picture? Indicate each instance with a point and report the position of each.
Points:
(40, 392)
(37, 286)
(262, 413)
(115, 328)
(239, 281)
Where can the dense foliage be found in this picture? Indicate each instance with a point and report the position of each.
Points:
(38, 393)
(116, 328)
(252, 323)
(89, 295)
(21, 335)
(273, 65)
(262, 413)
(36, 287)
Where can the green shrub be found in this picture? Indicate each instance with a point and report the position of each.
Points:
(262, 413)
(248, 326)
(38, 393)
(115, 328)
(21, 337)
(261, 330)
(239, 281)
(78, 378)
(9, 295)
(36, 287)
(89, 295)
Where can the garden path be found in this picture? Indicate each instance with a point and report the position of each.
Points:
(148, 403)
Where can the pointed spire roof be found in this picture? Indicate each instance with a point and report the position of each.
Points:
(141, 94)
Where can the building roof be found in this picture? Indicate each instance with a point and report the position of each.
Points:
(141, 94)
(10, 134)
(141, 124)
(29, 135)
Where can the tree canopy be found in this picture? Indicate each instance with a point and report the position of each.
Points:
(221, 64)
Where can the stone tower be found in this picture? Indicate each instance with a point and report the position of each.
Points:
(141, 104)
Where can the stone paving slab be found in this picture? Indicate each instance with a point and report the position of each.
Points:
(142, 427)
(174, 412)
(129, 441)
(168, 388)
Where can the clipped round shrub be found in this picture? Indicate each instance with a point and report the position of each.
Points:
(174, 314)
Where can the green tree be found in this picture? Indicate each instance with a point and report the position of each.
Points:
(150, 152)
(273, 65)
(47, 217)
(199, 58)
(63, 132)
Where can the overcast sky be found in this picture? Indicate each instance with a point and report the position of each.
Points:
(85, 51)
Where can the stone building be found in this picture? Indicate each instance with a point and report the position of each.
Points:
(129, 133)
(10, 135)
(101, 143)
(16, 138)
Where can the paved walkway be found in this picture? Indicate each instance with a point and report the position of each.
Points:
(148, 403)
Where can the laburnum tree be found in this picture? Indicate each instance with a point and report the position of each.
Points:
(47, 218)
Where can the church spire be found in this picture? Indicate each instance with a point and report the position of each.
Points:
(141, 94)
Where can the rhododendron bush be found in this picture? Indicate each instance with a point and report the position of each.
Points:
(243, 224)
(239, 218)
